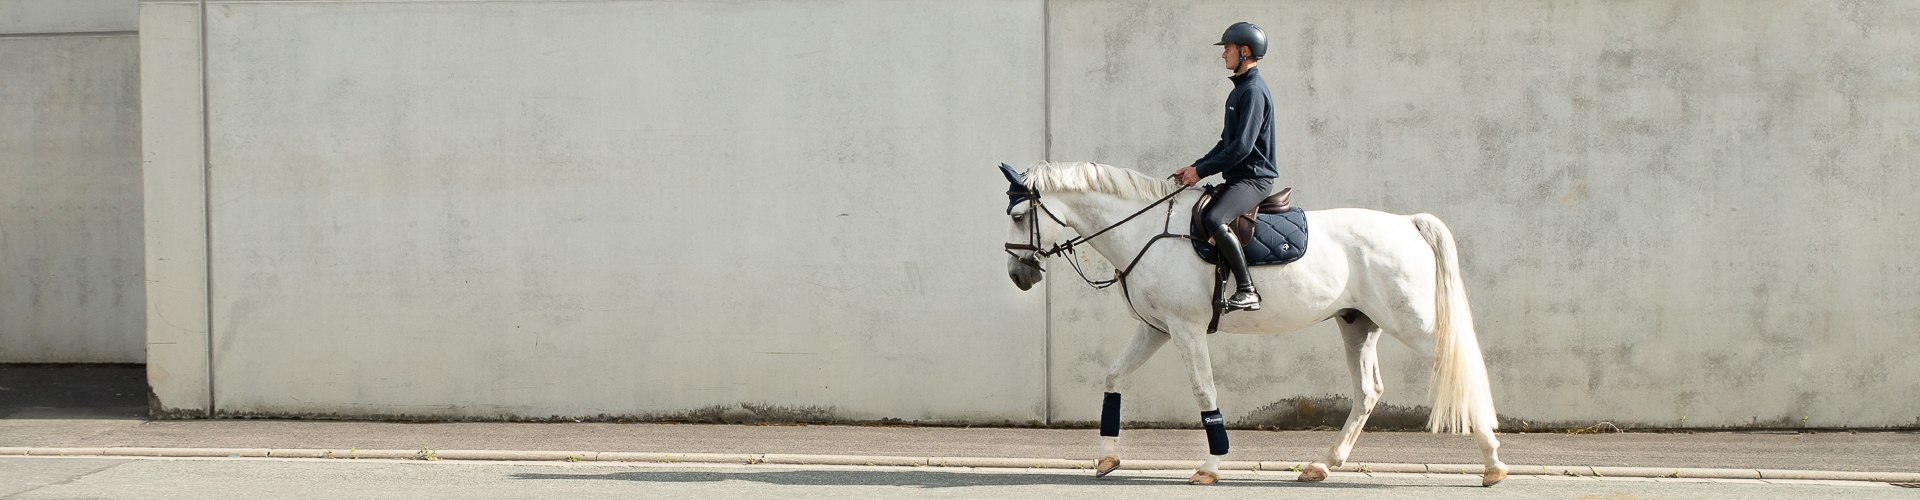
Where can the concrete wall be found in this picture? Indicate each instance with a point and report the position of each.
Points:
(458, 209)
(173, 161)
(70, 189)
(508, 209)
(42, 17)
(1693, 209)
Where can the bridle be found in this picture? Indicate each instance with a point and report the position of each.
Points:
(1035, 207)
(1020, 192)
(1070, 247)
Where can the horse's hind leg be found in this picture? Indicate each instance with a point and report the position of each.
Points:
(1362, 338)
(1145, 342)
(1490, 452)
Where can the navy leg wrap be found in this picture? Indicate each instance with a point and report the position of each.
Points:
(1110, 416)
(1216, 431)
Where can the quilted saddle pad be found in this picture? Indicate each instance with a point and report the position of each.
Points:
(1277, 239)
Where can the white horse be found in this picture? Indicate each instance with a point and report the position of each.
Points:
(1370, 271)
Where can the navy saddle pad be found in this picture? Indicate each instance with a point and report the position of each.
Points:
(1277, 239)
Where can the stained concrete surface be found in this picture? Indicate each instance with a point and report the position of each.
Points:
(68, 16)
(528, 209)
(159, 479)
(71, 262)
(1667, 212)
(174, 173)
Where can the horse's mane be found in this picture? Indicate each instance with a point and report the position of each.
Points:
(1095, 177)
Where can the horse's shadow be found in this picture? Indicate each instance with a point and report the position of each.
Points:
(917, 479)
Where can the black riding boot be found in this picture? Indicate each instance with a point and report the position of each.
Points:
(1235, 256)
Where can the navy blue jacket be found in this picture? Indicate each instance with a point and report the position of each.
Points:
(1246, 144)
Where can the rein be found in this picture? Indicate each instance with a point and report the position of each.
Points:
(1068, 248)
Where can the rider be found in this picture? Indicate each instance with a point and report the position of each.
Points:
(1243, 157)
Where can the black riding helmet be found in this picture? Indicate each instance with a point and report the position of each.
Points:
(1245, 33)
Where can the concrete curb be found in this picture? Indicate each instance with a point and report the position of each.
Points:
(984, 462)
(667, 458)
(186, 452)
(564, 456)
(843, 460)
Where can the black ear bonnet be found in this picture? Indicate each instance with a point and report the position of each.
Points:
(1017, 190)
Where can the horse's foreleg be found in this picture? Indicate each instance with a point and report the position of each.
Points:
(1145, 342)
(1192, 342)
(1362, 339)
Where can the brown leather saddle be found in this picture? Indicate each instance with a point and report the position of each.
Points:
(1242, 226)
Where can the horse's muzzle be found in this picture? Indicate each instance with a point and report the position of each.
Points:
(1024, 270)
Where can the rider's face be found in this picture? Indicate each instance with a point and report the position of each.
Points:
(1231, 56)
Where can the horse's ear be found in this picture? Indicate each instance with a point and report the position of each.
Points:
(1019, 183)
(1017, 190)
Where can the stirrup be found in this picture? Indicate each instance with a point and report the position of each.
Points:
(1238, 303)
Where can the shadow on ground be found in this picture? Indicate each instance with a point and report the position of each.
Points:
(918, 479)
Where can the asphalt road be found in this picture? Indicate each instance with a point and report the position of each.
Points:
(1877, 452)
(33, 478)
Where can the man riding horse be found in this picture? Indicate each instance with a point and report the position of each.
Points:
(1375, 274)
(1243, 157)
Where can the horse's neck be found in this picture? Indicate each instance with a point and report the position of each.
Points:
(1094, 212)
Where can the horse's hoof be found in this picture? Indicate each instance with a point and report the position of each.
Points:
(1106, 465)
(1204, 476)
(1313, 473)
(1493, 476)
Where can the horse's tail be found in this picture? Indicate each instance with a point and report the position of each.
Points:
(1462, 398)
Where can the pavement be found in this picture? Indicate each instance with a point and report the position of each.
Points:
(69, 432)
(67, 478)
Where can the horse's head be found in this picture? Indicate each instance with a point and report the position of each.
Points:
(1029, 229)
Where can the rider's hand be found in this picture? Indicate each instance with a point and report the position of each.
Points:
(1186, 176)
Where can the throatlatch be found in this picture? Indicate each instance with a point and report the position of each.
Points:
(1216, 431)
(1110, 416)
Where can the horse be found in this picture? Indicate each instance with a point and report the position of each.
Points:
(1372, 272)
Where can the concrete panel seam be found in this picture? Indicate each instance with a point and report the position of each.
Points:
(206, 202)
(1046, 148)
(1046, 79)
